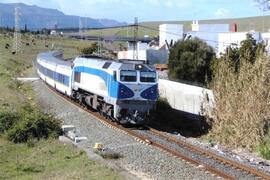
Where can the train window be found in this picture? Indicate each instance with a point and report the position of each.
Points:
(128, 76)
(106, 65)
(77, 77)
(147, 76)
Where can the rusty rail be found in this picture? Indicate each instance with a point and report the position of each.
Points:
(169, 150)
(210, 154)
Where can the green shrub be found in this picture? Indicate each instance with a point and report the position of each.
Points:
(190, 61)
(34, 125)
(7, 120)
(264, 149)
(89, 50)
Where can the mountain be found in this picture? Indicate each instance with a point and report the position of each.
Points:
(37, 18)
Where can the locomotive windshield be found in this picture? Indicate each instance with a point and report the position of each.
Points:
(128, 76)
(147, 76)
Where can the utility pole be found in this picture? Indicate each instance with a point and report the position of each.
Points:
(17, 44)
(135, 47)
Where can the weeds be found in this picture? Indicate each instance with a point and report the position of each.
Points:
(264, 149)
(108, 154)
(27, 124)
(241, 115)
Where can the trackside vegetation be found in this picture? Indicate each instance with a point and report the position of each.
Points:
(241, 117)
(240, 83)
(29, 146)
(28, 124)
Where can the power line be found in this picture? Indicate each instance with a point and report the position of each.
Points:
(177, 34)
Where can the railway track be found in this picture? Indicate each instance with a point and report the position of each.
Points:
(180, 149)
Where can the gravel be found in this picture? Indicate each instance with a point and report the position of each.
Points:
(143, 161)
(205, 160)
(243, 156)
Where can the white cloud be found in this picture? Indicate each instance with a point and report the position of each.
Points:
(169, 3)
(152, 2)
(221, 12)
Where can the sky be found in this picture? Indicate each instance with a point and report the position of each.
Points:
(152, 10)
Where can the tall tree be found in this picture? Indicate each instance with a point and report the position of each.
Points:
(264, 4)
(190, 60)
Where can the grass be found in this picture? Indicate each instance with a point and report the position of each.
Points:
(128, 32)
(49, 160)
(45, 159)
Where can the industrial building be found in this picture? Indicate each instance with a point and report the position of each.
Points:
(143, 51)
(234, 38)
(208, 33)
(169, 34)
(218, 36)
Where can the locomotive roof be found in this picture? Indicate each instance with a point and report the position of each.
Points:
(113, 60)
(102, 63)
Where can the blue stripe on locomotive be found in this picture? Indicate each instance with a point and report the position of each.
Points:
(115, 88)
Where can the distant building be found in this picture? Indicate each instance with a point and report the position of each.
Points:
(266, 39)
(145, 53)
(208, 32)
(234, 38)
(53, 32)
(170, 33)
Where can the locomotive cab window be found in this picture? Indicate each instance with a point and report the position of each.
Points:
(147, 76)
(128, 76)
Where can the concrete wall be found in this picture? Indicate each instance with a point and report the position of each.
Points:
(185, 97)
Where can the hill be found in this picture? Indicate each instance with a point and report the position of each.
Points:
(37, 18)
(260, 23)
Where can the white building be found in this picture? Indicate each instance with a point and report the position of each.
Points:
(152, 56)
(234, 38)
(170, 33)
(208, 32)
(143, 52)
(266, 39)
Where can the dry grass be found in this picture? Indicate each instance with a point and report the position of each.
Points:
(241, 116)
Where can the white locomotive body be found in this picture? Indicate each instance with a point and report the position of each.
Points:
(125, 91)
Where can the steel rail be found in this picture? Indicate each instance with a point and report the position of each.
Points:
(144, 139)
(210, 154)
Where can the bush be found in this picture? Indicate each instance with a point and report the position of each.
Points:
(34, 125)
(241, 116)
(190, 61)
(89, 50)
(7, 120)
(264, 148)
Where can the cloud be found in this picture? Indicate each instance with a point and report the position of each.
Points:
(169, 3)
(152, 2)
(221, 12)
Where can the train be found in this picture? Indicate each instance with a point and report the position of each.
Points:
(124, 91)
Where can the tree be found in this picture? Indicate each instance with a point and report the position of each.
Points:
(249, 51)
(264, 4)
(89, 50)
(190, 60)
